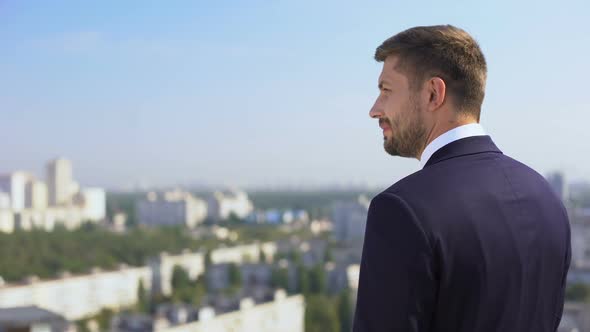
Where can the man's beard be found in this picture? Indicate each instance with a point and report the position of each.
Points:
(407, 138)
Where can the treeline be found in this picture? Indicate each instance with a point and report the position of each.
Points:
(46, 254)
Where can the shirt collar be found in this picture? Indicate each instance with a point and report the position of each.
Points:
(468, 130)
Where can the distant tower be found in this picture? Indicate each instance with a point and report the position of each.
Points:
(59, 181)
(36, 195)
(557, 182)
(14, 184)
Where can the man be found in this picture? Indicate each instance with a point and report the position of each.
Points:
(474, 241)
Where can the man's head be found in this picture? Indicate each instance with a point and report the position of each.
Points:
(433, 80)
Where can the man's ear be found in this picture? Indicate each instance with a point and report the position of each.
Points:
(436, 89)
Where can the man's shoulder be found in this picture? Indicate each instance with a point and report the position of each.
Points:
(411, 182)
(462, 171)
(404, 192)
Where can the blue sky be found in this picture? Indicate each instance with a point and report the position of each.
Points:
(262, 93)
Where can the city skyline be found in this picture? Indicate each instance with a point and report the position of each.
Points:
(264, 95)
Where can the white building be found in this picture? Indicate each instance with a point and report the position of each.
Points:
(349, 220)
(353, 272)
(92, 202)
(36, 195)
(70, 217)
(6, 214)
(6, 221)
(163, 266)
(80, 296)
(119, 222)
(247, 253)
(171, 208)
(15, 185)
(223, 204)
(59, 181)
(5, 201)
(35, 204)
(285, 314)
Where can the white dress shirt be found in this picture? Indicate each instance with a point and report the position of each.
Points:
(468, 130)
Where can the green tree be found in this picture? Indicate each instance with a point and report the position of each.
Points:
(200, 291)
(302, 280)
(143, 302)
(180, 277)
(104, 319)
(82, 326)
(317, 280)
(233, 219)
(577, 292)
(295, 257)
(183, 289)
(345, 311)
(280, 278)
(208, 259)
(320, 315)
(234, 275)
(45, 254)
(262, 256)
(328, 254)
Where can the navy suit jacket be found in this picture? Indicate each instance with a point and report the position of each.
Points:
(475, 241)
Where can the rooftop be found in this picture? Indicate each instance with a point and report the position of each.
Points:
(23, 316)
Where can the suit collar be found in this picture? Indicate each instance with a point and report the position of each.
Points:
(464, 146)
(467, 130)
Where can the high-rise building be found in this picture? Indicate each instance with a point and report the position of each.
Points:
(4, 201)
(557, 182)
(14, 184)
(36, 195)
(59, 181)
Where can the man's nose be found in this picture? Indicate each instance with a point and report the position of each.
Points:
(375, 113)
